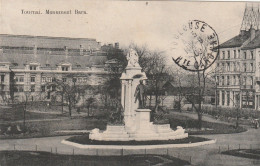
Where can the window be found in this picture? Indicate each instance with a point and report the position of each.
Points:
(223, 97)
(48, 65)
(33, 88)
(217, 80)
(244, 66)
(43, 88)
(235, 54)
(223, 80)
(252, 55)
(234, 80)
(43, 79)
(21, 79)
(251, 66)
(228, 53)
(228, 66)
(245, 80)
(251, 80)
(53, 87)
(228, 80)
(49, 79)
(238, 54)
(235, 66)
(32, 67)
(223, 54)
(16, 79)
(79, 79)
(18, 88)
(2, 78)
(245, 55)
(64, 79)
(223, 66)
(64, 68)
(32, 79)
(228, 98)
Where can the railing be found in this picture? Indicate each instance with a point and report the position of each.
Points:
(181, 154)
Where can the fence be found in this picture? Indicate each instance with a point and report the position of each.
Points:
(96, 152)
(186, 154)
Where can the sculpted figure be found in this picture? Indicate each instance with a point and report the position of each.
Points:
(140, 94)
(132, 58)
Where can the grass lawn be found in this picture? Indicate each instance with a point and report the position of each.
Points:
(84, 139)
(27, 158)
(246, 153)
(215, 128)
(16, 113)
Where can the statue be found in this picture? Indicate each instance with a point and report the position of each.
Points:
(132, 58)
(140, 94)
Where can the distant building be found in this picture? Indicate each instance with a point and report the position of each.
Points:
(238, 72)
(29, 63)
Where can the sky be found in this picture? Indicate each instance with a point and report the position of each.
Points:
(150, 23)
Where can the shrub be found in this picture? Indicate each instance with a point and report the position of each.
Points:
(228, 113)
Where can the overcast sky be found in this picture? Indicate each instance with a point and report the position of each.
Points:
(153, 23)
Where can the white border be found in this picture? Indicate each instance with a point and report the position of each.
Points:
(136, 147)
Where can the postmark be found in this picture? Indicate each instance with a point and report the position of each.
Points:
(195, 46)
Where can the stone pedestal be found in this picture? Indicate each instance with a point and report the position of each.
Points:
(141, 130)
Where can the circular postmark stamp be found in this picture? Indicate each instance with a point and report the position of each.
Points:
(195, 46)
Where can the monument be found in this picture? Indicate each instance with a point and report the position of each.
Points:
(137, 125)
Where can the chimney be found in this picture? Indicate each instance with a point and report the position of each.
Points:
(242, 32)
(34, 50)
(252, 33)
(80, 50)
(66, 50)
(117, 45)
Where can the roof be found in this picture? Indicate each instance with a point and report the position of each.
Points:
(113, 61)
(236, 41)
(255, 43)
(186, 84)
(18, 60)
(47, 42)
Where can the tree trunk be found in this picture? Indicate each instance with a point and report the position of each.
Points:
(199, 116)
(24, 110)
(199, 120)
(237, 119)
(150, 102)
(70, 107)
(62, 101)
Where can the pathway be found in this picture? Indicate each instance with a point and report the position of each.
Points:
(202, 155)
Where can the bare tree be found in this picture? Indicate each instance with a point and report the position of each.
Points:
(154, 65)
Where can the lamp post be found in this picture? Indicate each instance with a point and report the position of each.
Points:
(74, 80)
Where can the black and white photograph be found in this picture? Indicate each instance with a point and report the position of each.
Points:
(129, 83)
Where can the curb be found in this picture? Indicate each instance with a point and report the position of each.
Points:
(137, 147)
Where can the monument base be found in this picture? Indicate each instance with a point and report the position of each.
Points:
(142, 130)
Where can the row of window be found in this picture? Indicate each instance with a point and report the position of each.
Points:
(236, 55)
(234, 80)
(20, 88)
(235, 66)
(48, 79)
(248, 98)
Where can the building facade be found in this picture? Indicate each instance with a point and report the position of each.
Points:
(237, 66)
(29, 64)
